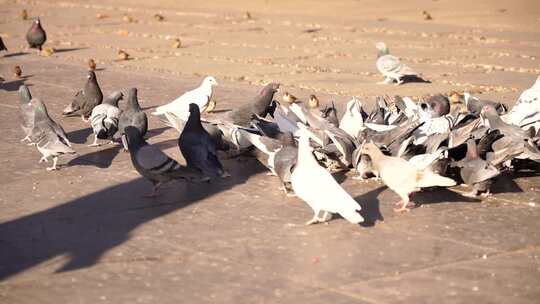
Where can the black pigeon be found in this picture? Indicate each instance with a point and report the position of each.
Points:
(260, 106)
(197, 147)
(133, 116)
(2, 45)
(152, 163)
(85, 100)
(36, 35)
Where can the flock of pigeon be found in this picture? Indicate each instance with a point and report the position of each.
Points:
(435, 142)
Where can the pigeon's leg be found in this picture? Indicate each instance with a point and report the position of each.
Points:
(27, 138)
(326, 217)
(399, 81)
(95, 143)
(124, 143)
(110, 142)
(405, 200)
(55, 159)
(387, 80)
(314, 220)
(83, 118)
(43, 159)
(154, 190)
(486, 194)
(225, 174)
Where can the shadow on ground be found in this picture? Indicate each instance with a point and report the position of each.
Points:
(84, 229)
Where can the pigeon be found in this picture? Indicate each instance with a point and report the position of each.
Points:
(47, 135)
(475, 171)
(474, 105)
(401, 176)
(27, 112)
(2, 45)
(91, 64)
(353, 118)
(258, 106)
(316, 186)
(17, 71)
(279, 156)
(133, 116)
(527, 108)
(197, 147)
(313, 102)
(391, 66)
(436, 106)
(104, 118)
(85, 100)
(36, 36)
(152, 163)
(180, 106)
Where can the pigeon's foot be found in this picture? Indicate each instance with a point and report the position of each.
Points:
(270, 173)
(27, 138)
(472, 194)
(399, 82)
(31, 144)
(94, 145)
(314, 220)
(385, 81)
(225, 174)
(486, 194)
(83, 118)
(154, 192)
(404, 206)
(43, 159)
(53, 168)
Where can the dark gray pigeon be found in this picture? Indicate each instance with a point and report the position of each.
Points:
(133, 116)
(152, 163)
(104, 118)
(496, 123)
(330, 114)
(476, 172)
(197, 147)
(85, 100)
(36, 35)
(2, 45)
(259, 106)
(27, 112)
(47, 135)
(279, 156)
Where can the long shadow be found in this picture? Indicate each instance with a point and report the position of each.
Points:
(79, 136)
(440, 195)
(69, 49)
(85, 228)
(413, 79)
(12, 86)
(371, 211)
(100, 158)
(16, 54)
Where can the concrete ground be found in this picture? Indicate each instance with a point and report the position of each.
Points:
(85, 234)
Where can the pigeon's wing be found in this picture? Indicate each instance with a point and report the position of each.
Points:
(200, 152)
(153, 159)
(265, 144)
(53, 144)
(392, 65)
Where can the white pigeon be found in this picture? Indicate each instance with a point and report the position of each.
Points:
(180, 106)
(526, 111)
(316, 186)
(352, 121)
(391, 66)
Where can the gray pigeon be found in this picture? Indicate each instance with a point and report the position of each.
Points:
(27, 112)
(104, 118)
(476, 172)
(45, 135)
(2, 45)
(197, 147)
(391, 66)
(152, 163)
(36, 36)
(133, 116)
(474, 105)
(85, 100)
(259, 106)
(279, 156)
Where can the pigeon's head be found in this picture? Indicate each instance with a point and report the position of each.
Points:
(270, 88)
(370, 149)
(133, 136)
(288, 97)
(313, 102)
(382, 49)
(24, 94)
(489, 110)
(210, 81)
(436, 106)
(91, 75)
(194, 108)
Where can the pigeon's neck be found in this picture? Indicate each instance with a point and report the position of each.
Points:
(206, 88)
(134, 104)
(305, 156)
(194, 121)
(382, 52)
(472, 151)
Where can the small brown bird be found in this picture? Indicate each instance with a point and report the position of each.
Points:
(427, 16)
(455, 97)
(177, 43)
(128, 18)
(313, 102)
(122, 55)
(288, 98)
(17, 71)
(247, 16)
(24, 14)
(46, 52)
(211, 106)
(91, 64)
(159, 17)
